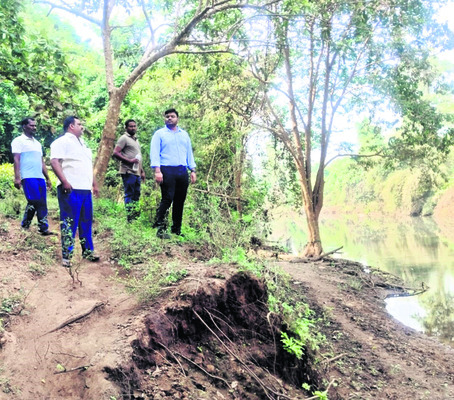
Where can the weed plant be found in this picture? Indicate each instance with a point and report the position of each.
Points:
(302, 325)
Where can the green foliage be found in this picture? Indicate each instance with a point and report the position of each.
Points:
(373, 187)
(173, 276)
(292, 345)
(12, 305)
(302, 332)
(6, 180)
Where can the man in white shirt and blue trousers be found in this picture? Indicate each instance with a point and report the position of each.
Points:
(71, 161)
(29, 173)
(171, 157)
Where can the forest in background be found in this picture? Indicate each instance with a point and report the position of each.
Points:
(244, 168)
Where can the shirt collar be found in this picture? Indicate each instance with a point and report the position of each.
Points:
(132, 136)
(28, 138)
(71, 136)
(170, 130)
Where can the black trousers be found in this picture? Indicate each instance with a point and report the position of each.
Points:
(173, 192)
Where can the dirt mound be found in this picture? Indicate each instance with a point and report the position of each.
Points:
(216, 341)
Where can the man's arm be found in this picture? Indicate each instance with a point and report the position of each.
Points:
(46, 174)
(191, 162)
(117, 154)
(17, 180)
(58, 170)
(155, 159)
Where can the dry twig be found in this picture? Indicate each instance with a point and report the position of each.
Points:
(76, 317)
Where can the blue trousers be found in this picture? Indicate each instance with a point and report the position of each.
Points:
(131, 184)
(36, 195)
(76, 213)
(173, 192)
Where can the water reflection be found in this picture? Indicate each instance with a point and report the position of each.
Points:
(415, 249)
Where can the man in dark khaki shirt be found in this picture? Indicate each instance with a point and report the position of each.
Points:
(127, 150)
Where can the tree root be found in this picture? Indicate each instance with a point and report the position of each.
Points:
(76, 317)
(310, 259)
(268, 391)
(204, 370)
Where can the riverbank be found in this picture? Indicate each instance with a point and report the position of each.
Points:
(208, 335)
(372, 355)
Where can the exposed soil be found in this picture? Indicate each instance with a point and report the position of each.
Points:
(208, 336)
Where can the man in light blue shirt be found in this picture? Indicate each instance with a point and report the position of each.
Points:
(171, 157)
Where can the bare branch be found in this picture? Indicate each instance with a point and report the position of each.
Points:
(73, 10)
(377, 154)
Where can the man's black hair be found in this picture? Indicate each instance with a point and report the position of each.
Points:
(68, 121)
(170, 110)
(128, 121)
(26, 121)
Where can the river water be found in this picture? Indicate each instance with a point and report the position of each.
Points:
(417, 249)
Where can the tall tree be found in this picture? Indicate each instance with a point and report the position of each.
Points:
(154, 30)
(332, 55)
(34, 74)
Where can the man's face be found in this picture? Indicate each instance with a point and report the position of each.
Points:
(131, 128)
(30, 128)
(171, 119)
(76, 128)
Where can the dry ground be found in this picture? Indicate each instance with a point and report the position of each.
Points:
(208, 336)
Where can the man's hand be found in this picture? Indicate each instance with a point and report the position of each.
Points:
(193, 177)
(142, 176)
(66, 186)
(17, 183)
(49, 184)
(158, 177)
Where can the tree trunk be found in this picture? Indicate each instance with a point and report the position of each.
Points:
(108, 137)
(314, 244)
(312, 208)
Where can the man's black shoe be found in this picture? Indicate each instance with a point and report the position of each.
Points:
(92, 257)
(46, 233)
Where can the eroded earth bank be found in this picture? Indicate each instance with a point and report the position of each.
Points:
(210, 335)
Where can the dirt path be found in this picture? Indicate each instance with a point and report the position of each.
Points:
(67, 363)
(368, 355)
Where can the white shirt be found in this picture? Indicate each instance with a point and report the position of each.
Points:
(31, 155)
(76, 159)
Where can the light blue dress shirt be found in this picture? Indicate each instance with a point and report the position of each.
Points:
(171, 148)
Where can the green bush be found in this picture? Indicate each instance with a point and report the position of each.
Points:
(6, 180)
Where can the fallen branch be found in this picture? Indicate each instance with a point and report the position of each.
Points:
(220, 195)
(81, 368)
(77, 317)
(330, 360)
